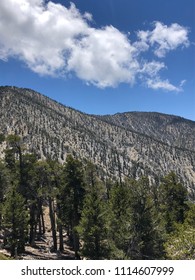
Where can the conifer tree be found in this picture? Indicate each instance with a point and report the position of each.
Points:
(173, 201)
(2, 138)
(15, 220)
(119, 219)
(16, 153)
(93, 226)
(30, 193)
(46, 185)
(57, 183)
(73, 194)
(4, 183)
(145, 241)
(180, 244)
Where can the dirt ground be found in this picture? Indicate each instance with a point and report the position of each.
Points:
(43, 247)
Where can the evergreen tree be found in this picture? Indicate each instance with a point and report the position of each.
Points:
(72, 196)
(16, 153)
(190, 215)
(47, 186)
(15, 222)
(2, 138)
(145, 241)
(30, 193)
(11, 164)
(4, 183)
(119, 219)
(173, 201)
(93, 226)
(57, 183)
(180, 244)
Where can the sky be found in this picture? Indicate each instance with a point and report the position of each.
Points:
(103, 56)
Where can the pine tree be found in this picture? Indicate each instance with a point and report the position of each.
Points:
(29, 191)
(57, 182)
(145, 241)
(72, 196)
(4, 183)
(119, 219)
(93, 226)
(180, 244)
(15, 220)
(45, 180)
(2, 138)
(16, 153)
(173, 201)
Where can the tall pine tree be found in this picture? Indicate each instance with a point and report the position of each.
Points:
(15, 221)
(72, 198)
(93, 227)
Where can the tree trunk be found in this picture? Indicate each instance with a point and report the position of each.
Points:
(21, 185)
(75, 234)
(61, 241)
(60, 228)
(53, 224)
(76, 244)
(42, 219)
(32, 225)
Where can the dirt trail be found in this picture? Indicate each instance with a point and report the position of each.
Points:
(42, 250)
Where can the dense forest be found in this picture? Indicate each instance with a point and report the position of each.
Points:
(104, 219)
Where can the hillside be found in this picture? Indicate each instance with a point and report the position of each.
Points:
(170, 129)
(135, 143)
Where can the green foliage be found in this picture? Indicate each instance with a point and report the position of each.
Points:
(73, 185)
(11, 163)
(29, 176)
(2, 138)
(70, 199)
(93, 227)
(190, 215)
(13, 140)
(125, 220)
(181, 244)
(15, 221)
(145, 241)
(4, 184)
(173, 198)
(119, 220)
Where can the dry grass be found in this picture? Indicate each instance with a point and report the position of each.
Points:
(3, 257)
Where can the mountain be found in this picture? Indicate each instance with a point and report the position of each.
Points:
(131, 144)
(173, 130)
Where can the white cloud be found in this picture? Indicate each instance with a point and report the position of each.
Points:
(182, 83)
(152, 68)
(105, 58)
(88, 16)
(165, 38)
(40, 34)
(157, 84)
(52, 39)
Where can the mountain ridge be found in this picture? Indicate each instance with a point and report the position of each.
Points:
(132, 140)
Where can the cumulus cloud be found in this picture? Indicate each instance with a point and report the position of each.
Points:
(105, 58)
(55, 40)
(164, 38)
(40, 34)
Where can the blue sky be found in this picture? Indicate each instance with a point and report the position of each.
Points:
(104, 56)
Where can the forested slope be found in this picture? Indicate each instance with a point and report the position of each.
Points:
(132, 144)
